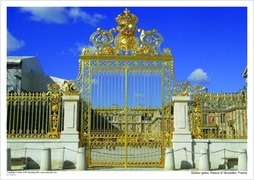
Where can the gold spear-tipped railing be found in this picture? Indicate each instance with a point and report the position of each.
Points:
(35, 115)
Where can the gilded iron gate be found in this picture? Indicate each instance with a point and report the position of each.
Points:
(126, 84)
(125, 122)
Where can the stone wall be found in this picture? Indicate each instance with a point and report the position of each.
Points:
(63, 153)
(219, 151)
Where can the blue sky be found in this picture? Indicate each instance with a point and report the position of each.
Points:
(209, 44)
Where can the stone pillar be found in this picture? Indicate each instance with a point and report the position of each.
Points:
(181, 120)
(8, 159)
(70, 132)
(169, 159)
(204, 160)
(46, 160)
(70, 136)
(182, 135)
(242, 160)
(81, 160)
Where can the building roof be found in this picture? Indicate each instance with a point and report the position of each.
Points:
(26, 63)
(17, 59)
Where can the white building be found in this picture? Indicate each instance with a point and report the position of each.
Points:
(25, 74)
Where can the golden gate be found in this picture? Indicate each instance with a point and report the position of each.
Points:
(125, 84)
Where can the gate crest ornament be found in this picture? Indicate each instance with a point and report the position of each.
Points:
(126, 42)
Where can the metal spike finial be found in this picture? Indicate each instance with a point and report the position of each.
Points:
(126, 11)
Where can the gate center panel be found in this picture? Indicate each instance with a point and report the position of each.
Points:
(126, 118)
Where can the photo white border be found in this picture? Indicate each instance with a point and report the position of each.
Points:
(124, 174)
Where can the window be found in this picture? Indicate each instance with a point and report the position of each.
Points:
(222, 118)
(205, 119)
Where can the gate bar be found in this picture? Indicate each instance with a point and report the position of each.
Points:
(126, 116)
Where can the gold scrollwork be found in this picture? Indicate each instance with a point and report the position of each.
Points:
(184, 89)
(126, 41)
(69, 88)
(55, 96)
(168, 139)
(197, 133)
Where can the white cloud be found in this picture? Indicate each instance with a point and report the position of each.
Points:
(198, 75)
(77, 50)
(93, 20)
(13, 44)
(61, 15)
(57, 15)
